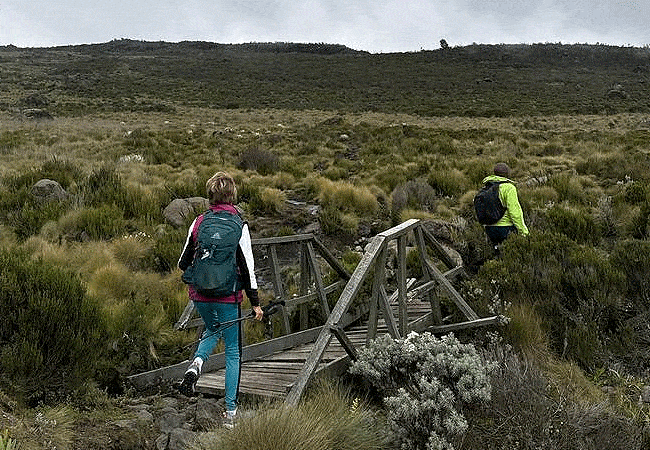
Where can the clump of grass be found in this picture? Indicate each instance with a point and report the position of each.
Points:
(326, 420)
(347, 197)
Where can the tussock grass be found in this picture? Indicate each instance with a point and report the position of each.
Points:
(328, 419)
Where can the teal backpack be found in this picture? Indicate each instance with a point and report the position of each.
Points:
(213, 272)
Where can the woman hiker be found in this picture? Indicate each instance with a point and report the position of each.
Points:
(216, 307)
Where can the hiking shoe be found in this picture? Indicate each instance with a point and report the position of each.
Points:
(189, 380)
(230, 419)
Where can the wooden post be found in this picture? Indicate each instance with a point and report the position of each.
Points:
(401, 285)
(304, 286)
(433, 299)
(349, 293)
(315, 270)
(277, 285)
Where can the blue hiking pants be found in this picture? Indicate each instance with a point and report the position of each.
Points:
(212, 314)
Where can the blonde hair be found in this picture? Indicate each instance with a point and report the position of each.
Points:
(221, 188)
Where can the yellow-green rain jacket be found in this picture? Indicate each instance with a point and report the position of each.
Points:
(508, 196)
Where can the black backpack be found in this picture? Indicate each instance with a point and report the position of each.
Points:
(213, 272)
(488, 206)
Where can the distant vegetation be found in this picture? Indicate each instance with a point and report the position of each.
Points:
(472, 81)
(346, 144)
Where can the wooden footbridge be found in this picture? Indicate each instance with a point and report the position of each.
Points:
(378, 297)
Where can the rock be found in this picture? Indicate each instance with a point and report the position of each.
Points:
(182, 210)
(170, 419)
(208, 414)
(48, 190)
(180, 439)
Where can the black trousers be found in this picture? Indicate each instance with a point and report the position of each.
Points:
(499, 234)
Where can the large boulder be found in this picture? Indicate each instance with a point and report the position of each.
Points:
(48, 190)
(183, 210)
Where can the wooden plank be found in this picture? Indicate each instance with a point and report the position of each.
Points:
(305, 278)
(400, 229)
(433, 299)
(217, 361)
(453, 293)
(349, 293)
(282, 239)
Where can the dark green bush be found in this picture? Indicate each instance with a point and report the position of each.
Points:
(576, 290)
(101, 223)
(52, 334)
(577, 224)
(259, 159)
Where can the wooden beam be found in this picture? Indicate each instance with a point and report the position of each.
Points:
(402, 313)
(282, 239)
(278, 286)
(217, 361)
(315, 270)
(331, 260)
(428, 275)
(349, 293)
(438, 248)
(346, 343)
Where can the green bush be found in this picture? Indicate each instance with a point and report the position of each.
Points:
(526, 413)
(52, 343)
(425, 383)
(575, 223)
(576, 290)
(259, 159)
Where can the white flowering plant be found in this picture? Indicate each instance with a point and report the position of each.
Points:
(425, 383)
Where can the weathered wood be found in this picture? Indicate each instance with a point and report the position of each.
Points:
(304, 286)
(332, 261)
(433, 299)
(278, 287)
(453, 293)
(349, 293)
(282, 239)
(438, 248)
(345, 342)
(318, 279)
(398, 230)
(217, 361)
(182, 322)
(401, 285)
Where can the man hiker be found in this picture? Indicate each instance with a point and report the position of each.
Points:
(509, 217)
(218, 265)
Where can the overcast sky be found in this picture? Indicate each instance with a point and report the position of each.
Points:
(372, 25)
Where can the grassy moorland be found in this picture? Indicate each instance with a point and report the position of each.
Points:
(126, 127)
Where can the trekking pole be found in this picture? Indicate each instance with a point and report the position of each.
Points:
(267, 311)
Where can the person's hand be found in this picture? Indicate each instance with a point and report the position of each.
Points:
(259, 314)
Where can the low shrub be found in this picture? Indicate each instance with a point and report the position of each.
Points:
(53, 342)
(425, 383)
(414, 194)
(526, 412)
(260, 160)
(576, 223)
(575, 289)
(448, 182)
(100, 223)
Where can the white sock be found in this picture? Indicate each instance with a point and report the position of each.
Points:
(199, 363)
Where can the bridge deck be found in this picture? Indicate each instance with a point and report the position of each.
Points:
(274, 375)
